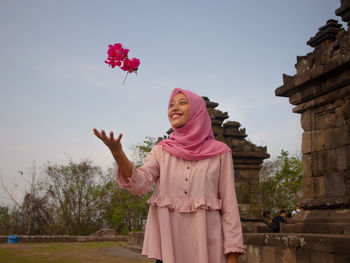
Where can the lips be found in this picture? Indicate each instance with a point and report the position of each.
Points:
(176, 115)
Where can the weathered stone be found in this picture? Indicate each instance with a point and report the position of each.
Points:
(307, 164)
(319, 186)
(288, 255)
(344, 12)
(321, 257)
(253, 255)
(309, 188)
(306, 142)
(327, 32)
(335, 184)
(306, 120)
(268, 254)
(105, 232)
(323, 162)
(325, 120)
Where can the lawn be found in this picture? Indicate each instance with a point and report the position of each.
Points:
(94, 252)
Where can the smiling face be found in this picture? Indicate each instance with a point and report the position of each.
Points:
(179, 110)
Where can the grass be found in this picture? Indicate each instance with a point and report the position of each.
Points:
(94, 252)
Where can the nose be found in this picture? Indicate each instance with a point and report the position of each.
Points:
(175, 107)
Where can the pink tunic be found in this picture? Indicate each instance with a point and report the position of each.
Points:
(193, 214)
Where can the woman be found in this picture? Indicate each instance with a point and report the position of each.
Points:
(193, 214)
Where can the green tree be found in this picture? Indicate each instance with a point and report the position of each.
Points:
(281, 183)
(130, 210)
(4, 220)
(74, 194)
(141, 150)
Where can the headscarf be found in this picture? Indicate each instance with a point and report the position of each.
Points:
(195, 140)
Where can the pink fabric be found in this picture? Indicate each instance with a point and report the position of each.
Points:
(193, 215)
(195, 140)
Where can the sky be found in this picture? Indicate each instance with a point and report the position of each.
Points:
(55, 87)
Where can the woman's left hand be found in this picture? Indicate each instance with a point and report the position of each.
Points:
(232, 258)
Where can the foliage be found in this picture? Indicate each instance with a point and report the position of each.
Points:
(77, 199)
(281, 183)
(4, 219)
(142, 149)
(73, 191)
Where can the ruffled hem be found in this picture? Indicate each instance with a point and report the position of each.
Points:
(239, 250)
(185, 205)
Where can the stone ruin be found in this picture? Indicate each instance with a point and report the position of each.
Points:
(320, 91)
(247, 159)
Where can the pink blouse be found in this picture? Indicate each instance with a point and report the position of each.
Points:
(193, 214)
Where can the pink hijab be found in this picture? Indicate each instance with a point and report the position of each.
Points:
(195, 140)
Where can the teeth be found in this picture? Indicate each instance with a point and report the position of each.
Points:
(175, 115)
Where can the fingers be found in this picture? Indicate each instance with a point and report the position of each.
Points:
(119, 137)
(102, 135)
(97, 133)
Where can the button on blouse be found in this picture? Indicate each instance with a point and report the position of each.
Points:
(188, 190)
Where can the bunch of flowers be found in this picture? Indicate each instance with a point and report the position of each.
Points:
(118, 56)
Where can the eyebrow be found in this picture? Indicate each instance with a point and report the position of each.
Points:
(181, 99)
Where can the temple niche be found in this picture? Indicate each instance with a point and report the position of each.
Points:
(247, 160)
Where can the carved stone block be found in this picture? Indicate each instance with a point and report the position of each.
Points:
(306, 120)
(306, 143)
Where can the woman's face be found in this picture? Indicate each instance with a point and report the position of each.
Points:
(179, 110)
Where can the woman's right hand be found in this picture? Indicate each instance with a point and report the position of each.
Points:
(113, 144)
(116, 148)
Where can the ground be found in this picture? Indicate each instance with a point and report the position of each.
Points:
(94, 252)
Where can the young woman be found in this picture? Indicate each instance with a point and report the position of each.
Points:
(193, 214)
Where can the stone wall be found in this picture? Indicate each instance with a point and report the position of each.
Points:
(48, 239)
(284, 248)
(296, 248)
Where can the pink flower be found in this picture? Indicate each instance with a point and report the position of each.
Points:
(118, 56)
(135, 63)
(126, 65)
(131, 65)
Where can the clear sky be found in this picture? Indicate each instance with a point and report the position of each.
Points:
(55, 87)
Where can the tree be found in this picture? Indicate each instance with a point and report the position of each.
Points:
(141, 150)
(5, 219)
(73, 189)
(76, 199)
(22, 213)
(130, 210)
(281, 183)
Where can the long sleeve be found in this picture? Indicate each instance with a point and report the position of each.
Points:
(231, 222)
(142, 178)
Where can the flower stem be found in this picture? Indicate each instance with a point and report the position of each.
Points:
(125, 77)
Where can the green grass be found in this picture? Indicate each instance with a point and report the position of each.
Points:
(94, 252)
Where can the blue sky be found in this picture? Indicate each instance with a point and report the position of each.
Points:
(55, 87)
